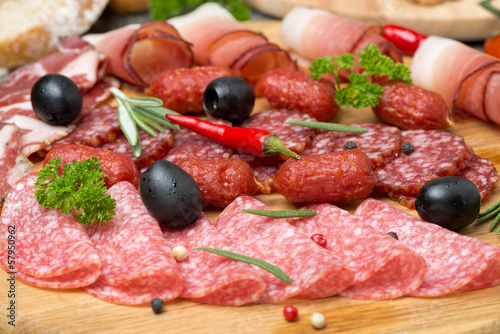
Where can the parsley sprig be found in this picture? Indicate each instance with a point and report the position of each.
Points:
(160, 10)
(360, 91)
(146, 112)
(79, 191)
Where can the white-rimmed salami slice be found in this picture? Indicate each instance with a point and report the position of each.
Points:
(436, 153)
(210, 278)
(52, 250)
(454, 261)
(138, 264)
(314, 272)
(383, 268)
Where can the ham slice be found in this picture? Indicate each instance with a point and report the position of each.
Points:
(314, 271)
(383, 268)
(52, 250)
(138, 264)
(468, 80)
(138, 53)
(210, 278)
(454, 261)
(315, 33)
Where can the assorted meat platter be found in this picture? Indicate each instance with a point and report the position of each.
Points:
(391, 274)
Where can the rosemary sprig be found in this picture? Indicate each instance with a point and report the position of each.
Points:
(486, 4)
(329, 126)
(281, 213)
(238, 257)
(146, 112)
(492, 211)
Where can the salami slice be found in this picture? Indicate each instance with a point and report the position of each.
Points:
(210, 278)
(314, 271)
(454, 261)
(383, 268)
(138, 264)
(322, 143)
(437, 153)
(52, 250)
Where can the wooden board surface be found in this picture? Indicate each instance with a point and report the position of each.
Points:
(459, 19)
(73, 311)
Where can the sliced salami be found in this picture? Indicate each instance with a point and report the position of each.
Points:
(210, 278)
(383, 268)
(314, 272)
(322, 143)
(98, 93)
(264, 175)
(52, 250)
(437, 153)
(153, 148)
(454, 261)
(138, 264)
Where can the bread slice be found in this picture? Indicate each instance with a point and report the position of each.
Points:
(30, 29)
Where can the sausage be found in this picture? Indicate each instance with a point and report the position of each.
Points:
(337, 176)
(412, 107)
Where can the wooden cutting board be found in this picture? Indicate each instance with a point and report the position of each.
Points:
(459, 19)
(73, 311)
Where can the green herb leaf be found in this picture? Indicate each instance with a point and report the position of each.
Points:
(360, 92)
(489, 213)
(79, 190)
(329, 126)
(486, 4)
(238, 257)
(161, 10)
(281, 213)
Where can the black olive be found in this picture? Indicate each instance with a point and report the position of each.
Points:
(56, 99)
(452, 202)
(170, 194)
(230, 98)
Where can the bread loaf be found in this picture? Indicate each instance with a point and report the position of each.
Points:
(30, 29)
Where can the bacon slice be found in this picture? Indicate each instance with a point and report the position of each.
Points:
(138, 53)
(468, 80)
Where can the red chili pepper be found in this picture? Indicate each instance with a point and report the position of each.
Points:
(405, 39)
(253, 141)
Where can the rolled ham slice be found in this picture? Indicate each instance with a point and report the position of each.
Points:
(383, 267)
(138, 264)
(210, 278)
(454, 261)
(314, 271)
(468, 80)
(138, 53)
(51, 249)
(315, 33)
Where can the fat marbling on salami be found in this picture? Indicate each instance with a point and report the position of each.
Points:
(52, 250)
(138, 264)
(454, 261)
(314, 272)
(210, 278)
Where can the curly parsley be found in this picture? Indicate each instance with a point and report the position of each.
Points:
(160, 10)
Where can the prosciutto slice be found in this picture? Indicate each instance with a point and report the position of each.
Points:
(210, 278)
(52, 250)
(314, 272)
(138, 264)
(454, 261)
(138, 53)
(315, 33)
(468, 80)
(383, 268)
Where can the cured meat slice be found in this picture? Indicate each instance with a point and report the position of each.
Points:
(454, 261)
(383, 268)
(322, 143)
(467, 79)
(264, 175)
(52, 250)
(138, 53)
(381, 143)
(437, 153)
(221, 180)
(13, 166)
(98, 127)
(153, 148)
(99, 93)
(188, 144)
(300, 26)
(138, 264)
(314, 271)
(210, 278)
